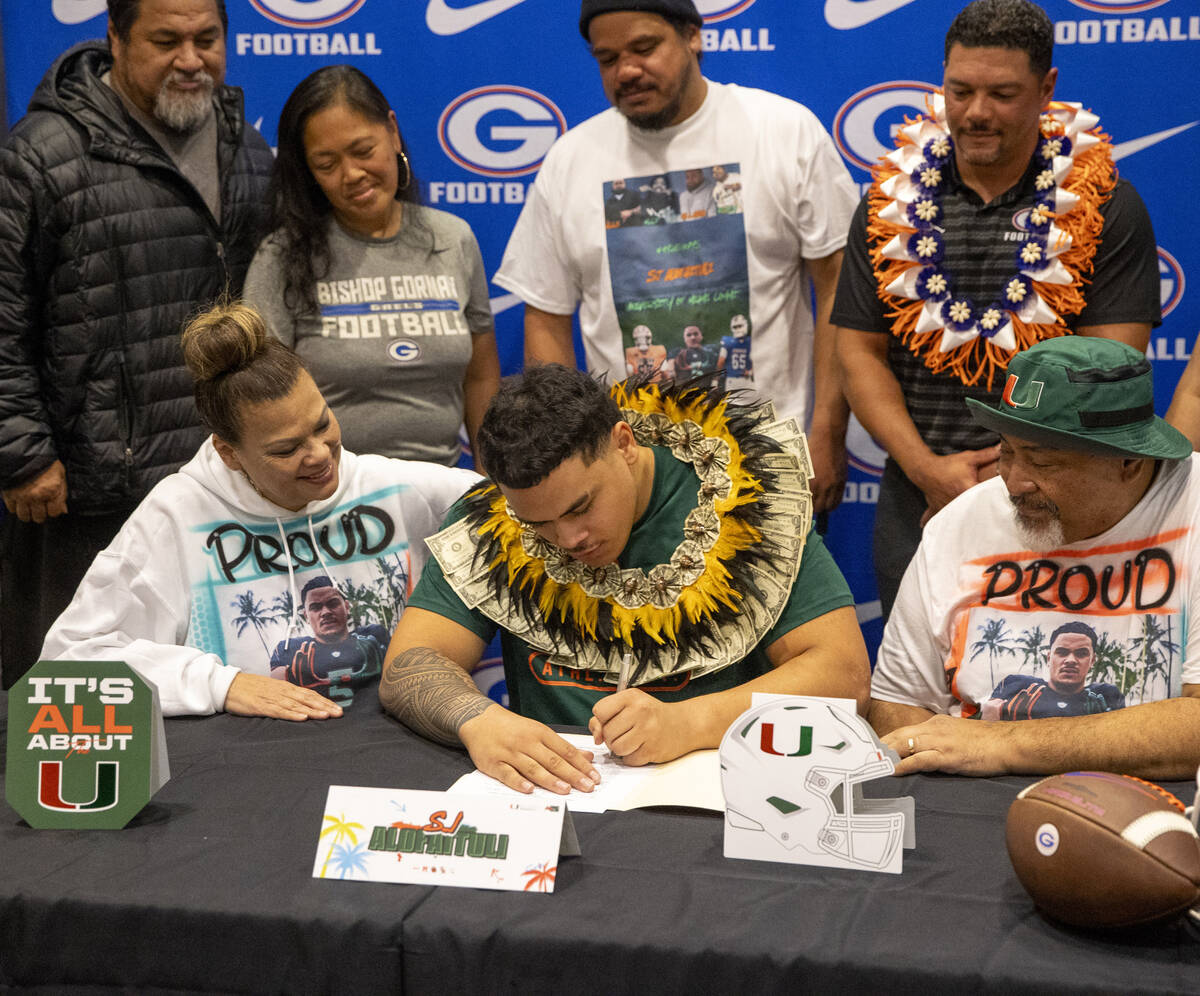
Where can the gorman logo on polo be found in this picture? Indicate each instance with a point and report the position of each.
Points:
(1020, 224)
(501, 131)
(307, 13)
(866, 123)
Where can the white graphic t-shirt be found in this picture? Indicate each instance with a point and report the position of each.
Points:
(971, 630)
(610, 226)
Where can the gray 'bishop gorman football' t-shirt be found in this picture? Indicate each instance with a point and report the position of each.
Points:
(391, 342)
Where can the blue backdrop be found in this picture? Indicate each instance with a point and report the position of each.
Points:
(483, 88)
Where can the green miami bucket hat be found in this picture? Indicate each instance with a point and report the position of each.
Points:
(1083, 393)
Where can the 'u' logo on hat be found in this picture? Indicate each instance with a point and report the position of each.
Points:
(1032, 396)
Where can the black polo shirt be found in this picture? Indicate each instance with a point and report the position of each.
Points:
(980, 252)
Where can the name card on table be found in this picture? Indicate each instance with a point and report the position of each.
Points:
(86, 747)
(442, 838)
(792, 770)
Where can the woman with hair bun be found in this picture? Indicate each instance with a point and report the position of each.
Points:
(273, 554)
(385, 300)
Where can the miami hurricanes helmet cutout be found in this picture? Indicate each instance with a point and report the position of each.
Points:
(792, 771)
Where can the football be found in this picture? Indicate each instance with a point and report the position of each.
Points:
(1095, 849)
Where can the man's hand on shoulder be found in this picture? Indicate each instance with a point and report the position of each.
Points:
(40, 498)
(258, 695)
(953, 745)
(523, 753)
(639, 728)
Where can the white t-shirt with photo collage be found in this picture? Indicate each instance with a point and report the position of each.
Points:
(797, 200)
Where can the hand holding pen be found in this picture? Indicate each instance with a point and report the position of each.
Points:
(638, 727)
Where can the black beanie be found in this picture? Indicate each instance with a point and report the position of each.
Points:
(684, 9)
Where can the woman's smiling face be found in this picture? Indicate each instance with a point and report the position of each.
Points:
(289, 447)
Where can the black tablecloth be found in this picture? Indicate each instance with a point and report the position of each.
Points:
(211, 889)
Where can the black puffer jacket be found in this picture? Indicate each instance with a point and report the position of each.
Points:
(105, 251)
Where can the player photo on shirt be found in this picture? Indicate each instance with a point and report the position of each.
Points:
(677, 255)
(342, 652)
(1031, 665)
(1062, 684)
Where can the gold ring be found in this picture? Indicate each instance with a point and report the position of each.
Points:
(912, 745)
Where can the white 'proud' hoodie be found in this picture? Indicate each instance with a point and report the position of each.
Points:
(204, 579)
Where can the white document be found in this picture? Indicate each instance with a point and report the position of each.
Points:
(692, 780)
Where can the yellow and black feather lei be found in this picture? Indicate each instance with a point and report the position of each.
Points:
(736, 543)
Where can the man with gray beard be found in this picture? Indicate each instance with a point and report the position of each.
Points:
(131, 196)
(1093, 522)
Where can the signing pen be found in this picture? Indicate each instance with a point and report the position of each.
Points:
(623, 674)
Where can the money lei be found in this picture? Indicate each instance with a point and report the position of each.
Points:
(725, 584)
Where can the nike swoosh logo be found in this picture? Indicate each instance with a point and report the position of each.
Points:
(849, 14)
(1123, 149)
(77, 11)
(446, 20)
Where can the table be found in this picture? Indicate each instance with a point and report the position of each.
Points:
(210, 890)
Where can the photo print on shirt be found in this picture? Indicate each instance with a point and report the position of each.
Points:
(677, 260)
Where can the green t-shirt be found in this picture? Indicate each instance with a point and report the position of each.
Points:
(555, 694)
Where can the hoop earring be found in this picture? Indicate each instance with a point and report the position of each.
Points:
(407, 171)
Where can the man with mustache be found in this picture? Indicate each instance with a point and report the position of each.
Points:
(1093, 521)
(667, 121)
(131, 196)
(998, 223)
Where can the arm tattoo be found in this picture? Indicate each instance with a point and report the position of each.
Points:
(430, 694)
